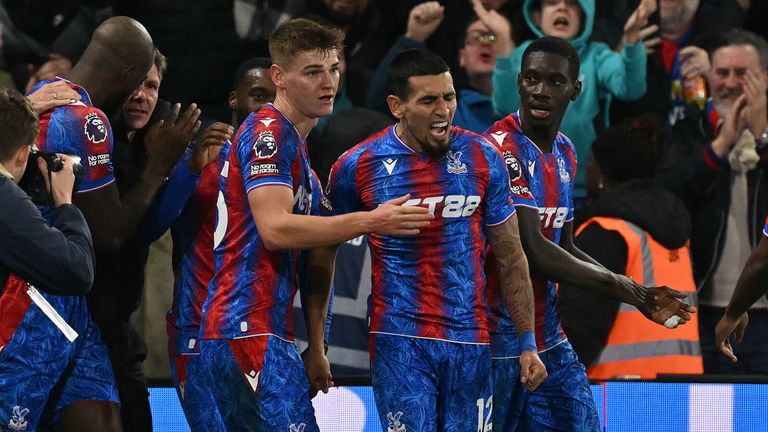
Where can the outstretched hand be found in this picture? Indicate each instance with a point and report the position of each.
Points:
(728, 327)
(499, 25)
(393, 218)
(167, 139)
(638, 20)
(532, 370)
(664, 303)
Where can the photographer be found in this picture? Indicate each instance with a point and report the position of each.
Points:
(50, 350)
(57, 259)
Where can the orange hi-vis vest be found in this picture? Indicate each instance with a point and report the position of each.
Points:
(637, 346)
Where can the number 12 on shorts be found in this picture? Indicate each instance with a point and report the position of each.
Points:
(484, 411)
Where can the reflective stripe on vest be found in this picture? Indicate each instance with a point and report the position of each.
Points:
(636, 345)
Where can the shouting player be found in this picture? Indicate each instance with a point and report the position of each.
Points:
(429, 335)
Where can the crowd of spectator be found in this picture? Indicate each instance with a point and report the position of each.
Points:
(670, 130)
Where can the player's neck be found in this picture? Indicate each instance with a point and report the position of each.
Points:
(92, 83)
(303, 123)
(542, 136)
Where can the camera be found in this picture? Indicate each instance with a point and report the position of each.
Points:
(33, 182)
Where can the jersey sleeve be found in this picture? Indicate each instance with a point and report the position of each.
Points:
(84, 132)
(499, 203)
(574, 164)
(342, 188)
(319, 202)
(266, 155)
(765, 228)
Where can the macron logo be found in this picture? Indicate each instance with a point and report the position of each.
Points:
(499, 137)
(253, 379)
(267, 121)
(531, 167)
(389, 164)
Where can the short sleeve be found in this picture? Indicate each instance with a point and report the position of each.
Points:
(84, 132)
(765, 228)
(266, 154)
(499, 203)
(342, 188)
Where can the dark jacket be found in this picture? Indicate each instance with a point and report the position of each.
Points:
(588, 318)
(709, 22)
(703, 181)
(57, 259)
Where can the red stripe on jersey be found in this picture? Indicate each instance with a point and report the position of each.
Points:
(14, 303)
(249, 354)
(551, 185)
(430, 278)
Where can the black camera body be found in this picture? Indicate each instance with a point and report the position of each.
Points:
(33, 182)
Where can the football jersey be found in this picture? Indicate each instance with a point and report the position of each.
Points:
(193, 257)
(252, 290)
(81, 130)
(542, 181)
(765, 228)
(430, 285)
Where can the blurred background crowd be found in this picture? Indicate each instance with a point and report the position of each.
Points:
(670, 129)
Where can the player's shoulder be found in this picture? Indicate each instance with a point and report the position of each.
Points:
(565, 142)
(266, 131)
(375, 143)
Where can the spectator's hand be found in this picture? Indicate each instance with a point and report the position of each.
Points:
(728, 327)
(532, 370)
(394, 219)
(207, 148)
(734, 124)
(664, 302)
(694, 61)
(167, 139)
(423, 20)
(61, 182)
(53, 95)
(638, 20)
(56, 65)
(755, 86)
(650, 42)
(499, 25)
(318, 371)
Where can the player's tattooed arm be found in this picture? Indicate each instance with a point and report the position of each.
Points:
(514, 276)
(315, 305)
(517, 296)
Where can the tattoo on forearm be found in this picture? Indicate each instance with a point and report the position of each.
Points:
(514, 275)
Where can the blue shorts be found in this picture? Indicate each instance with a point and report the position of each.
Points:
(259, 383)
(431, 385)
(191, 381)
(41, 371)
(563, 402)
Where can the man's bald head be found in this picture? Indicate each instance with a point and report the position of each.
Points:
(118, 57)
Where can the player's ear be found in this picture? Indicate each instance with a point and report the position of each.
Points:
(395, 106)
(233, 104)
(576, 90)
(278, 75)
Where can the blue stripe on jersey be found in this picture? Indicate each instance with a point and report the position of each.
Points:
(543, 181)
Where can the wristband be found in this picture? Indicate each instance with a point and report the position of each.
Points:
(527, 341)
